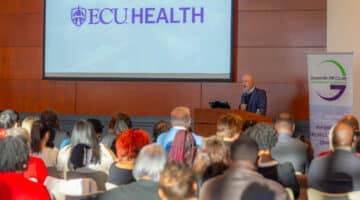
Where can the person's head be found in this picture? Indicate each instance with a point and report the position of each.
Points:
(9, 119)
(14, 154)
(285, 124)
(160, 127)
(247, 81)
(97, 126)
(39, 136)
(150, 163)
(244, 149)
(216, 149)
(28, 122)
(248, 124)
(83, 133)
(50, 118)
(119, 122)
(177, 182)
(350, 120)
(229, 126)
(263, 134)
(20, 133)
(343, 135)
(129, 143)
(180, 116)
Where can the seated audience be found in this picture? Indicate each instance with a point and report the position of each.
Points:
(13, 161)
(180, 122)
(217, 160)
(84, 151)
(119, 122)
(128, 145)
(352, 121)
(177, 182)
(241, 174)
(289, 149)
(13, 121)
(265, 136)
(229, 128)
(52, 121)
(337, 172)
(40, 135)
(36, 170)
(28, 122)
(148, 166)
(159, 128)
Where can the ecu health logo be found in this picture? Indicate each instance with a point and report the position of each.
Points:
(78, 16)
(336, 83)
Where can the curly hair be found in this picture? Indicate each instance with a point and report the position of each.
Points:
(176, 181)
(228, 125)
(129, 143)
(14, 154)
(263, 134)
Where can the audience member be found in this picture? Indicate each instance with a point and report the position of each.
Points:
(14, 158)
(177, 182)
(218, 158)
(12, 122)
(248, 123)
(28, 122)
(352, 121)
(159, 128)
(242, 173)
(36, 170)
(97, 126)
(40, 134)
(148, 166)
(84, 150)
(289, 149)
(180, 122)
(52, 121)
(229, 127)
(119, 122)
(337, 172)
(128, 145)
(265, 136)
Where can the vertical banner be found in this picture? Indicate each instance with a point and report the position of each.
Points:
(330, 94)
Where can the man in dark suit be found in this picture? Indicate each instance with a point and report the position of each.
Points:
(253, 99)
(339, 171)
(288, 148)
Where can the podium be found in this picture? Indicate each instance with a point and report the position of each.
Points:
(205, 119)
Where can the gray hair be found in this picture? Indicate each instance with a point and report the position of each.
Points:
(180, 116)
(84, 133)
(150, 162)
(20, 133)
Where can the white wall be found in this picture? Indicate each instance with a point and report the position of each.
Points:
(343, 35)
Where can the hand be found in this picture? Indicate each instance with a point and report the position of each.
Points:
(243, 106)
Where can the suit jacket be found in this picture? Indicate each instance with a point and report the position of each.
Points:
(236, 182)
(338, 172)
(257, 101)
(289, 149)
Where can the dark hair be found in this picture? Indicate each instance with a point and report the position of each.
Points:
(244, 148)
(50, 118)
(263, 134)
(160, 127)
(38, 132)
(176, 181)
(97, 125)
(248, 123)
(14, 154)
(120, 117)
(8, 118)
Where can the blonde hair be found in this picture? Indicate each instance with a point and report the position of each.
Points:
(28, 122)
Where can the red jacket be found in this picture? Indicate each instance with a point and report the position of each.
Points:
(36, 170)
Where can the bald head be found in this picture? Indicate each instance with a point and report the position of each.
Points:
(351, 121)
(343, 135)
(247, 81)
(180, 116)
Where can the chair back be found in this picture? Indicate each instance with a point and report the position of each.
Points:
(314, 194)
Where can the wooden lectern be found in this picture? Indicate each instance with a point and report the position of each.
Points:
(205, 119)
